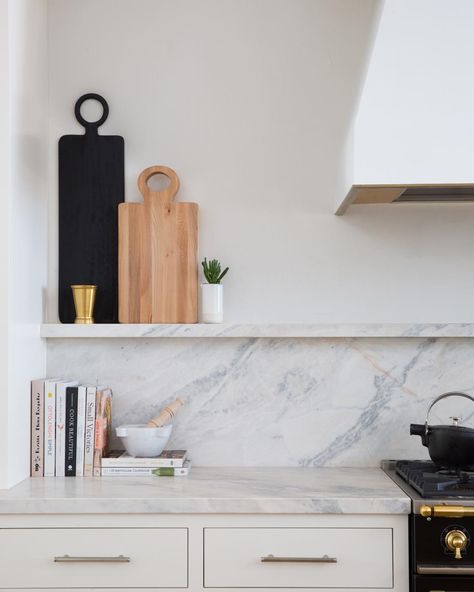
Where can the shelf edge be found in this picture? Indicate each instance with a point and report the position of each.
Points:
(268, 331)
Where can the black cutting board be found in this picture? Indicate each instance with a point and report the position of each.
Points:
(91, 186)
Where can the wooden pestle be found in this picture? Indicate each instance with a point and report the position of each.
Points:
(165, 414)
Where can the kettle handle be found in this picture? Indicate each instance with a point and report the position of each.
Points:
(445, 396)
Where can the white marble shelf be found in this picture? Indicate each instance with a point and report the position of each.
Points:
(273, 331)
(237, 490)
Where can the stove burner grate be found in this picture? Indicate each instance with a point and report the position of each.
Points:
(430, 481)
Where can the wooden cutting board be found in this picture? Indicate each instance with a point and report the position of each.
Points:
(158, 277)
(91, 185)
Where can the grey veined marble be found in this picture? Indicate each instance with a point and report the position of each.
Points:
(275, 330)
(279, 402)
(214, 490)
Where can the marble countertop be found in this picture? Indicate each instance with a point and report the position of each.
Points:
(246, 490)
(257, 330)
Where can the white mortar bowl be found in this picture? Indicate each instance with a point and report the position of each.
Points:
(143, 441)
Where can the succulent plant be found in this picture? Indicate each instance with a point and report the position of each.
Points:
(212, 271)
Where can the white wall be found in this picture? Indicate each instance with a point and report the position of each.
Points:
(415, 123)
(24, 204)
(250, 102)
(4, 181)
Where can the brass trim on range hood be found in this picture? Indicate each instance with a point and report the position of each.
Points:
(422, 193)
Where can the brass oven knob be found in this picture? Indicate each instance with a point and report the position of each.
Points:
(456, 541)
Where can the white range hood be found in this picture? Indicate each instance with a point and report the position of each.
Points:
(412, 139)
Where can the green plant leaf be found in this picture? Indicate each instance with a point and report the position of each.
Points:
(222, 275)
(212, 270)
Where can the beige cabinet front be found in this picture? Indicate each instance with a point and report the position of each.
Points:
(298, 558)
(93, 558)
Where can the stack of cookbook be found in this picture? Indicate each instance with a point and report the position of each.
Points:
(170, 463)
(70, 428)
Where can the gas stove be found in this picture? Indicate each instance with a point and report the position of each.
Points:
(441, 524)
(430, 481)
(427, 485)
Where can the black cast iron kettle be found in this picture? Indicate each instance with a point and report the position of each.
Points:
(449, 446)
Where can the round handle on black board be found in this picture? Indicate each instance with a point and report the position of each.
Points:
(91, 124)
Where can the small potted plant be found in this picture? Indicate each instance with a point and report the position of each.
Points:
(212, 293)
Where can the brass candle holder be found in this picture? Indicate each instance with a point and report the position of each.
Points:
(84, 300)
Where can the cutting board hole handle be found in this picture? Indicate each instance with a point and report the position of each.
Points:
(91, 125)
(166, 193)
(158, 183)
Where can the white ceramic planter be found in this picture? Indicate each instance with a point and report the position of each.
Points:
(212, 303)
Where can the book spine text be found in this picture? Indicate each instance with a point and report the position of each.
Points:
(145, 471)
(103, 421)
(81, 426)
(49, 428)
(37, 427)
(89, 434)
(149, 463)
(70, 432)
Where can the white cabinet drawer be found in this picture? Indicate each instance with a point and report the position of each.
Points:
(232, 558)
(158, 558)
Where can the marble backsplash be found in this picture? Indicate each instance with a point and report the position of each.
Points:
(279, 402)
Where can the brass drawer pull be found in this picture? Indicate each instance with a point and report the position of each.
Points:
(75, 559)
(273, 559)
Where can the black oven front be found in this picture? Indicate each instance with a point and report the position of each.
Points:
(442, 554)
(443, 584)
